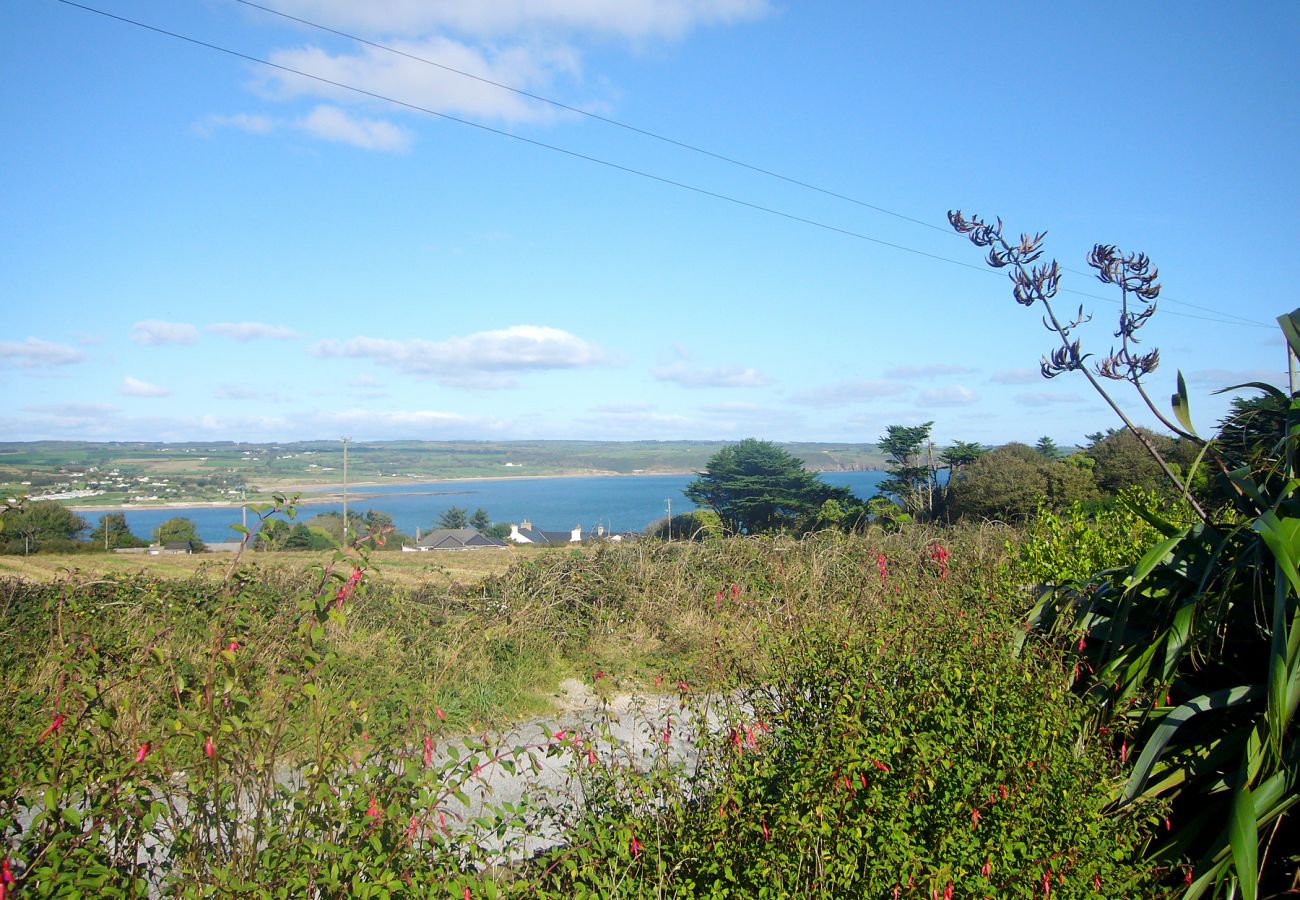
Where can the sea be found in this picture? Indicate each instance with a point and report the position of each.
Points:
(616, 502)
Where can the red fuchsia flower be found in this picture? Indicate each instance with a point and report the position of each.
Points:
(735, 591)
(947, 891)
(881, 766)
(442, 716)
(6, 873)
(667, 734)
(717, 600)
(591, 757)
(428, 751)
(1169, 826)
(1096, 883)
(883, 565)
(209, 749)
(1123, 751)
(987, 867)
(468, 895)
(143, 751)
(975, 818)
(1083, 640)
(862, 776)
(767, 835)
(233, 646)
(598, 674)
(1002, 789)
(683, 686)
(412, 827)
(560, 735)
(442, 822)
(940, 554)
(634, 846)
(55, 724)
(1187, 879)
(373, 811)
(659, 679)
(1047, 883)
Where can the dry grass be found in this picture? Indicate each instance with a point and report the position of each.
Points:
(438, 569)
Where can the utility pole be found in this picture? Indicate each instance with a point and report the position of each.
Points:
(345, 490)
(669, 501)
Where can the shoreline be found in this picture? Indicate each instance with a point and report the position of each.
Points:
(317, 494)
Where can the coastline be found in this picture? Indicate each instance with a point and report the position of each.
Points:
(317, 494)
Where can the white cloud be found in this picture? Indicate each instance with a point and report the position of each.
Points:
(1221, 378)
(411, 423)
(152, 333)
(72, 410)
(845, 392)
(490, 18)
(134, 387)
(688, 375)
(34, 353)
(623, 407)
(334, 124)
(407, 79)
(1047, 398)
(247, 331)
(485, 359)
(1017, 376)
(928, 371)
(953, 395)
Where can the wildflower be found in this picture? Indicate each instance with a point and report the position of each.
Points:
(560, 735)
(947, 891)
(634, 845)
(683, 686)
(862, 776)
(1096, 883)
(143, 751)
(591, 756)
(1002, 789)
(1082, 641)
(717, 599)
(373, 811)
(1187, 879)
(233, 646)
(659, 679)
(428, 751)
(413, 827)
(987, 867)
(1168, 825)
(767, 835)
(209, 749)
(735, 591)
(881, 766)
(1123, 751)
(442, 822)
(883, 565)
(54, 726)
(442, 716)
(598, 674)
(940, 554)
(975, 818)
(1047, 883)
(468, 895)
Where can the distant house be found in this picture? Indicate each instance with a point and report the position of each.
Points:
(525, 533)
(617, 537)
(171, 548)
(454, 539)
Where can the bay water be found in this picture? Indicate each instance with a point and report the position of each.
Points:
(617, 502)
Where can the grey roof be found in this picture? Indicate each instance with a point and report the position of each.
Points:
(457, 539)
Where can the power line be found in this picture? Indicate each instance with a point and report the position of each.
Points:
(694, 148)
(585, 157)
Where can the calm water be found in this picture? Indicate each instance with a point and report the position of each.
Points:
(620, 503)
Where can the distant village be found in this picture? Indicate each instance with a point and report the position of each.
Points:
(522, 533)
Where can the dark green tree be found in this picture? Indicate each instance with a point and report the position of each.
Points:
(300, 537)
(1047, 447)
(41, 524)
(755, 486)
(1009, 483)
(480, 520)
(113, 533)
(1121, 460)
(178, 530)
(911, 479)
(455, 517)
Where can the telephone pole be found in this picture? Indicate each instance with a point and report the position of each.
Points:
(669, 501)
(345, 490)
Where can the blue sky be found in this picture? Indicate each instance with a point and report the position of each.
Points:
(197, 247)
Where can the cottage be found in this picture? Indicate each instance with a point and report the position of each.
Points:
(454, 539)
(525, 533)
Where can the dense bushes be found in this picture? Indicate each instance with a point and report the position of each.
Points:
(287, 736)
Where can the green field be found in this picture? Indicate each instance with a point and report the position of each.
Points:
(224, 470)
